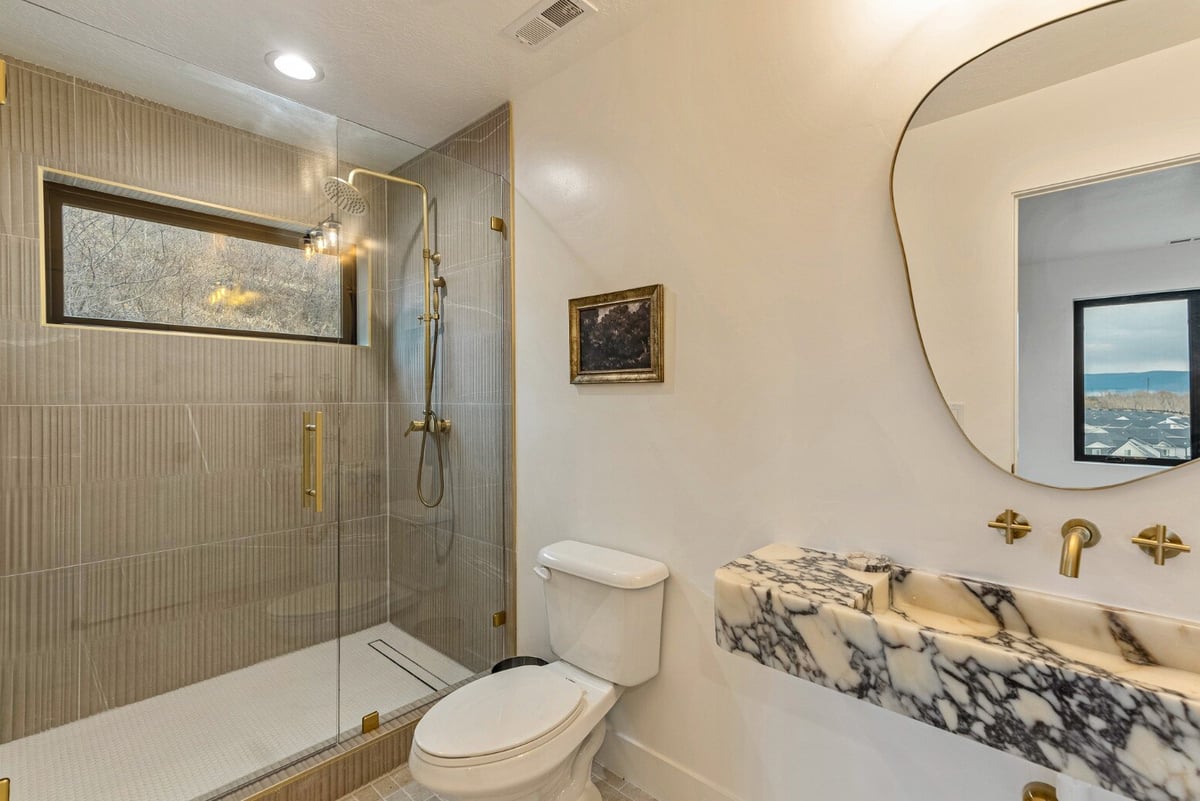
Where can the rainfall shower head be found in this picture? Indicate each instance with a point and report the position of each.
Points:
(345, 196)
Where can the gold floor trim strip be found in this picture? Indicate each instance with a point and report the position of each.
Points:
(330, 763)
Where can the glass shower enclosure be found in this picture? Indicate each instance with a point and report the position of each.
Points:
(213, 559)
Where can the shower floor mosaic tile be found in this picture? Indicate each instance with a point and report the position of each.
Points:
(399, 785)
(214, 733)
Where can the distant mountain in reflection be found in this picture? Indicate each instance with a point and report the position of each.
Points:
(1152, 381)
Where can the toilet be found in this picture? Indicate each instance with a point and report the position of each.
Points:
(530, 733)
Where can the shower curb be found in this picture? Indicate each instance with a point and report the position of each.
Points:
(342, 768)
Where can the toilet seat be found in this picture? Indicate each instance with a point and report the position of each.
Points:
(500, 716)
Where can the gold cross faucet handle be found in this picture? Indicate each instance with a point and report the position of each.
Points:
(1161, 543)
(1013, 525)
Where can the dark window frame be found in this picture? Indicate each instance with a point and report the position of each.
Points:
(1193, 324)
(56, 195)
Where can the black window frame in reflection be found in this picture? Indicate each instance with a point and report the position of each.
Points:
(56, 195)
(1193, 327)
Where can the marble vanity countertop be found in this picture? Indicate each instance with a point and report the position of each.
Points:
(1109, 696)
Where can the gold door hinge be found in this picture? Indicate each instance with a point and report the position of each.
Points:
(498, 224)
(370, 722)
(3, 100)
(3, 782)
(499, 618)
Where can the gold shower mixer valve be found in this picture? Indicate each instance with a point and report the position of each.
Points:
(440, 426)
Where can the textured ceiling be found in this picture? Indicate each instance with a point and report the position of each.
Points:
(417, 69)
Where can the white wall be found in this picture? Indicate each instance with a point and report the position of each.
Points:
(955, 182)
(1048, 291)
(739, 152)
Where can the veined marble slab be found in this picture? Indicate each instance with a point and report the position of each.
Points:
(1109, 696)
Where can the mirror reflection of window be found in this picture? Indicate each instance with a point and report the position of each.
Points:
(1072, 137)
(1104, 391)
(1133, 379)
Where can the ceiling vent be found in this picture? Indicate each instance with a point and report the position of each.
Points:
(547, 20)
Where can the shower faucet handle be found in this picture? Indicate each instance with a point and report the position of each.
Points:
(1013, 524)
(440, 426)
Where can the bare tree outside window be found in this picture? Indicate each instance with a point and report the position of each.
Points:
(117, 268)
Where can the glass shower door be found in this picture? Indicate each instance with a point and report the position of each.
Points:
(208, 607)
(438, 554)
(168, 604)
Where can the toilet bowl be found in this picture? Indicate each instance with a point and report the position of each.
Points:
(530, 733)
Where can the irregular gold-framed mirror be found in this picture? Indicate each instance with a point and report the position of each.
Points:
(1047, 196)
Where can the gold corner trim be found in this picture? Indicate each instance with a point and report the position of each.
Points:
(370, 722)
(3, 101)
(511, 553)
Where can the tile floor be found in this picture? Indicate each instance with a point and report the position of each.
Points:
(399, 786)
(236, 724)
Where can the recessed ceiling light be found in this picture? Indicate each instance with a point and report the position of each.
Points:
(294, 66)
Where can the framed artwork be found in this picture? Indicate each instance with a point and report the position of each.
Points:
(617, 337)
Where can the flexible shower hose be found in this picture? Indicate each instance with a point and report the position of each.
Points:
(431, 423)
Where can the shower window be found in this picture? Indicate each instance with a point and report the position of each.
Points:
(130, 263)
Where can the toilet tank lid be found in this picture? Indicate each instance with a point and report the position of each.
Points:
(603, 565)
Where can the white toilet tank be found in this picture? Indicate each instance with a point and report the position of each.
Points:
(605, 609)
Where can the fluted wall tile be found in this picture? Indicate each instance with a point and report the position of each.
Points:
(135, 141)
(129, 142)
(39, 446)
(448, 564)
(37, 118)
(169, 476)
(363, 455)
(483, 144)
(39, 652)
(35, 130)
(478, 575)
(39, 528)
(363, 549)
(18, 193)
(423, 598)
(40, 364)
(20, 289)
(364, 368)
(154, 623)
(134, 367)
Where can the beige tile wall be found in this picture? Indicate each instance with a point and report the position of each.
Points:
(150, 534)
(150, 530)
(448, 564)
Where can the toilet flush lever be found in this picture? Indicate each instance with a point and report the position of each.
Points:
(542, 572)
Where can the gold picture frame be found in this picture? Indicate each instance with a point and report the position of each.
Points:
(626, 348)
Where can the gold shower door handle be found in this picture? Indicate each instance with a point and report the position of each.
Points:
(312, 471)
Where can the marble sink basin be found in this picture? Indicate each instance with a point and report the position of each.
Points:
(1109, 696)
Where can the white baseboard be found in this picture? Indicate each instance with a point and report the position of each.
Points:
(659, 775)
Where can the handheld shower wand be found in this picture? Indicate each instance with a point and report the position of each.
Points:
(347, 197)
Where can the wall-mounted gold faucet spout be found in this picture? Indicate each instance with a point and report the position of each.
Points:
(1077, 535)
